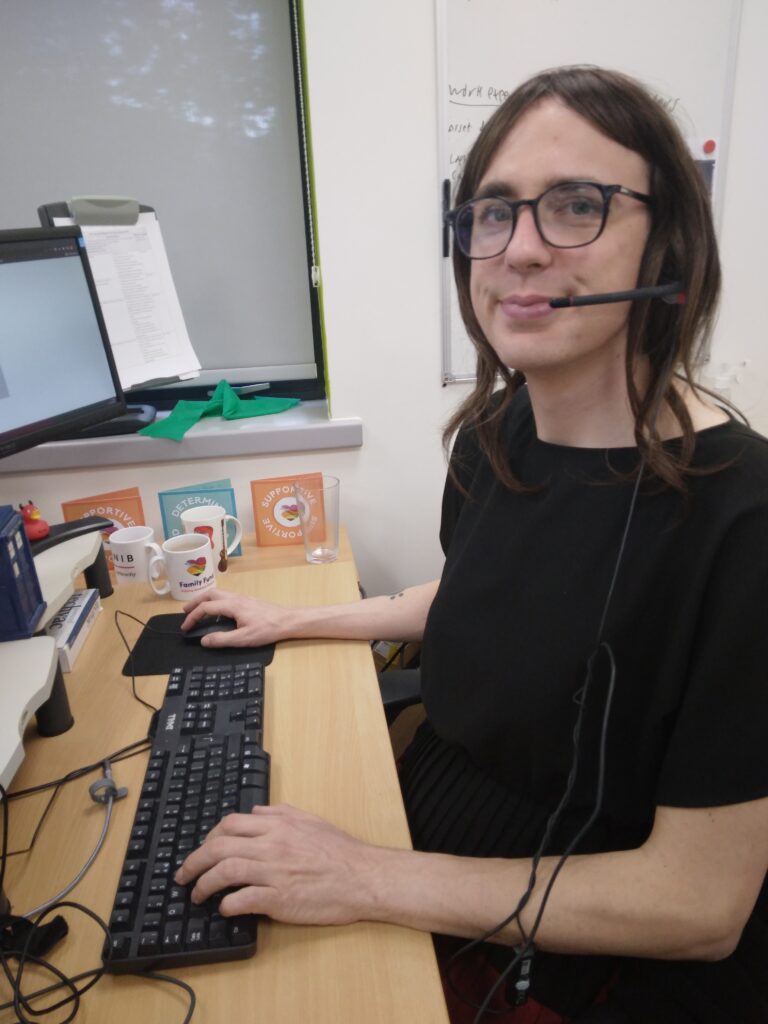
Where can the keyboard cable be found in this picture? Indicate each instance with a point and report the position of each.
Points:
(103, 791)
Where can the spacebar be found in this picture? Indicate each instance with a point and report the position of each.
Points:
(252, 797)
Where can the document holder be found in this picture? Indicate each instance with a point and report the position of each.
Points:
(130, 254)
(85, 210)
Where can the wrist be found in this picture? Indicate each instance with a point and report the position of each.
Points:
(301, 623)
(441, 893)
(384, 872)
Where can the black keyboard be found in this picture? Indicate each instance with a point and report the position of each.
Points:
(207, 761)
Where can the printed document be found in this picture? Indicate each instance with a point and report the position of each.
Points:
(139, 302)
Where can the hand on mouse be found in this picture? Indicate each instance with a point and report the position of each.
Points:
(258, 622)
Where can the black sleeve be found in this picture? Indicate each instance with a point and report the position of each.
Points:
(717, 750)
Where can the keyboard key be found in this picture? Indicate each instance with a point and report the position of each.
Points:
(196, 931)
(242, 930)
(149, 943)
(218, 933)
(120, 946)
(172, 937)
(253, 779)
(252, 797)
(121, 920)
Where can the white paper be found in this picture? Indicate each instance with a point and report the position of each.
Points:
(139, 302)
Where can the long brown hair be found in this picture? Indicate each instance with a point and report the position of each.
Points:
(681, 247)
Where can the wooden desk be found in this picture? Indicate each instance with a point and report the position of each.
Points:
(325, 730)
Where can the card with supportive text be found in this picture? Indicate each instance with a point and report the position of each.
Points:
(124, 508)
(275, 510)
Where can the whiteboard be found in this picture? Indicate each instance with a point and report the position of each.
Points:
(683, 50)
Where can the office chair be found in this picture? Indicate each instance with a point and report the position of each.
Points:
(400, 688)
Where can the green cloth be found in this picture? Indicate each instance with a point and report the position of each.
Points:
(223, 402)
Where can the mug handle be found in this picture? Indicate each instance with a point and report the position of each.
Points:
(238, 532)
(152, 574)
(155, 549)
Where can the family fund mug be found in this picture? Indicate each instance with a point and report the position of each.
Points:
(187, 563)
(223, 530)
(131, 548)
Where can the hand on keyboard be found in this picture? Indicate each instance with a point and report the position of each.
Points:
(286, 864)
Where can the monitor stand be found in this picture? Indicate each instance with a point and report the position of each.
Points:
(28, 672)
(30, 675)
(132, 420)
(28, 669)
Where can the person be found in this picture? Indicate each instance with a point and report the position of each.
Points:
(590, 784)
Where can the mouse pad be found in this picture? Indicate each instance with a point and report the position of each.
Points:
(162, 647)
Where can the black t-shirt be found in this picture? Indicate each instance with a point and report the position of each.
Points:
(504, 665)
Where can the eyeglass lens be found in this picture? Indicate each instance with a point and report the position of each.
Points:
(567, 216)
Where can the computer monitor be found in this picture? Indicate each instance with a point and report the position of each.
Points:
(57, 373)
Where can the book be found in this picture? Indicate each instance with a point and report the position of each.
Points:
(275, 511)
(179, 499)
(70, 626)
(124, 508)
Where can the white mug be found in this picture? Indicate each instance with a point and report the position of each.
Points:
(213, 521)
(131, 548)
(188, 565)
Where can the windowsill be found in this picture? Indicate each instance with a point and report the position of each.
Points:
(306, 427)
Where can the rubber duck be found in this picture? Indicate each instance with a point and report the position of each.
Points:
(35, 526)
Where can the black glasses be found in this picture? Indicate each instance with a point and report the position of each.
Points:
(566, 216)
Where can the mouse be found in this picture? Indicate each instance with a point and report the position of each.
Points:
(210, 624)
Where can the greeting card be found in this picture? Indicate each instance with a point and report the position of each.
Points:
(276, 511)
(124, 508)
(179, 499)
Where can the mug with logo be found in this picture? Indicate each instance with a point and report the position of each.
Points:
(131, 548)
(187, 564)
(213, 521)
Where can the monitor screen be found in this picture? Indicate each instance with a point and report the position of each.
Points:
(57, 373)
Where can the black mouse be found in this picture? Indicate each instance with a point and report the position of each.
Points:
(209, 624)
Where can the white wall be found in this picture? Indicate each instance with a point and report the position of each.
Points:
(741, 333)
(371, 70)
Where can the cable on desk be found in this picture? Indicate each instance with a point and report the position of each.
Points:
(128, 647)
(119, 755)
(174, 981)
(108, 798)
(21, 1003)
(38, 826)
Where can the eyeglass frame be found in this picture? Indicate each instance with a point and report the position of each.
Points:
(607, 192)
